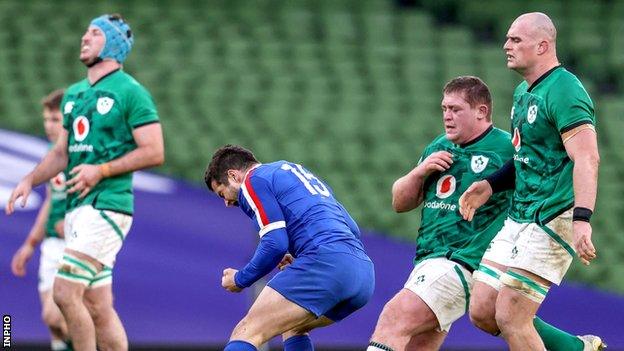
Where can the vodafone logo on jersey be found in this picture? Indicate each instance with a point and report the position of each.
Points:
(445, 186)
(515, 141)
(81, 128)
(58, 182)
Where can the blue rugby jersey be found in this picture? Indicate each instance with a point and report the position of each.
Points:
(286, 195)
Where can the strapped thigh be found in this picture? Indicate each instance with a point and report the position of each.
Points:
(76, 270)
(489, 275)
(527, 287)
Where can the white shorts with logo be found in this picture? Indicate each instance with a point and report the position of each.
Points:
(444, 286)
(545, 251)
(96, 233)
(51, 254)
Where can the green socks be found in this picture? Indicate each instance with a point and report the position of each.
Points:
(556, 339)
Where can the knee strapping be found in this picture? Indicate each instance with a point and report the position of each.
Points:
(489, 275)
(104, 277)
(527, 287)
(76, 270)
(376, 346)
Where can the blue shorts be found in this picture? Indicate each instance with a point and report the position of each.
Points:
(330, 284)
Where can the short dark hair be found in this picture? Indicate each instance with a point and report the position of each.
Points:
(225, 158)
(475, 91)
(53, 100)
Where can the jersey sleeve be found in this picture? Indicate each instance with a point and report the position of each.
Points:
(570, 106)
(141, 108)
(268, 214)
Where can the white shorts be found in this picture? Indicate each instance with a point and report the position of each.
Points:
(51, 254)
(444, 286)
(98, 234)
(544, 251)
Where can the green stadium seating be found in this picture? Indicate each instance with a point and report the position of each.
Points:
(349, 88)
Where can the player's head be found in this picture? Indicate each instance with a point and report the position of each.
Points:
(108, 38)
(226, 171)
(466, 109)
(531, 40)
(52, 116)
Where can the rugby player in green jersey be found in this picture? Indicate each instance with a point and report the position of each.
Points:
(111, 129)
(449, 248)
(47, 233)
(553, 175)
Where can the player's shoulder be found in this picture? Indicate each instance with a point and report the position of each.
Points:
(499, 134)
(565, 84)
(521, 88)
(77, 87)
(440, 141)
(127, 82)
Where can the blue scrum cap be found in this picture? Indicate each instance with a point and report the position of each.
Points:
(118, 35)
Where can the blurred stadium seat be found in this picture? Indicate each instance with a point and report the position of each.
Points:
(349, 88)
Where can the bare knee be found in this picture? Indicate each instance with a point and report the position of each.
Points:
(247, 330)
(100, 311)
(52, 317)
(392, 322)
(484, 318)
(65, 295)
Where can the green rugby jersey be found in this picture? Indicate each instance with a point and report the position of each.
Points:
(100, 119)
(57, 204)
(556, 103)
(443, 232)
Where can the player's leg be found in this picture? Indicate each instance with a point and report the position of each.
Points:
(108, 327)
(484, 294)
(539, 258)
(52, 317)
(270, 315)
(406, 314)
(94, 237)
(51, 254)
(516, 306)
(76, 272)
(435, 295)
(298, 339)
(427, 341)
(487, 285)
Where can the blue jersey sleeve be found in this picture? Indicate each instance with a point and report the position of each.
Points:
(258, 195)
(269, 253)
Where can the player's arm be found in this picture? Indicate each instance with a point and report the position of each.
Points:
(150, 152)
(478, 193)
(52, 163)
(582, 148)
(34, 238)
(407, 191)
(269, 253)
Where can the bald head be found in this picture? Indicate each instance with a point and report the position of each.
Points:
(538, 26)
(530, 46)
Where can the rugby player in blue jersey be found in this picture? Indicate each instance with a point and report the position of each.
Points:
(329, 275)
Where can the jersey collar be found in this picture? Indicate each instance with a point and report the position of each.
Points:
(542, 77)
(477, 139)
(104, 76)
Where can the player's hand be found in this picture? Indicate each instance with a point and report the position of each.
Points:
(227, 280)
(477, 194)
(285, 262)
(21, 257)
(22, 190)
(582, 241)
(85, 177)
(436, 162)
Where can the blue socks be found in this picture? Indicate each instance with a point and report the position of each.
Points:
(298, 343)
(239, 345)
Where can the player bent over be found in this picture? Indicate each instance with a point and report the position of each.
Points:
(295, 212)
